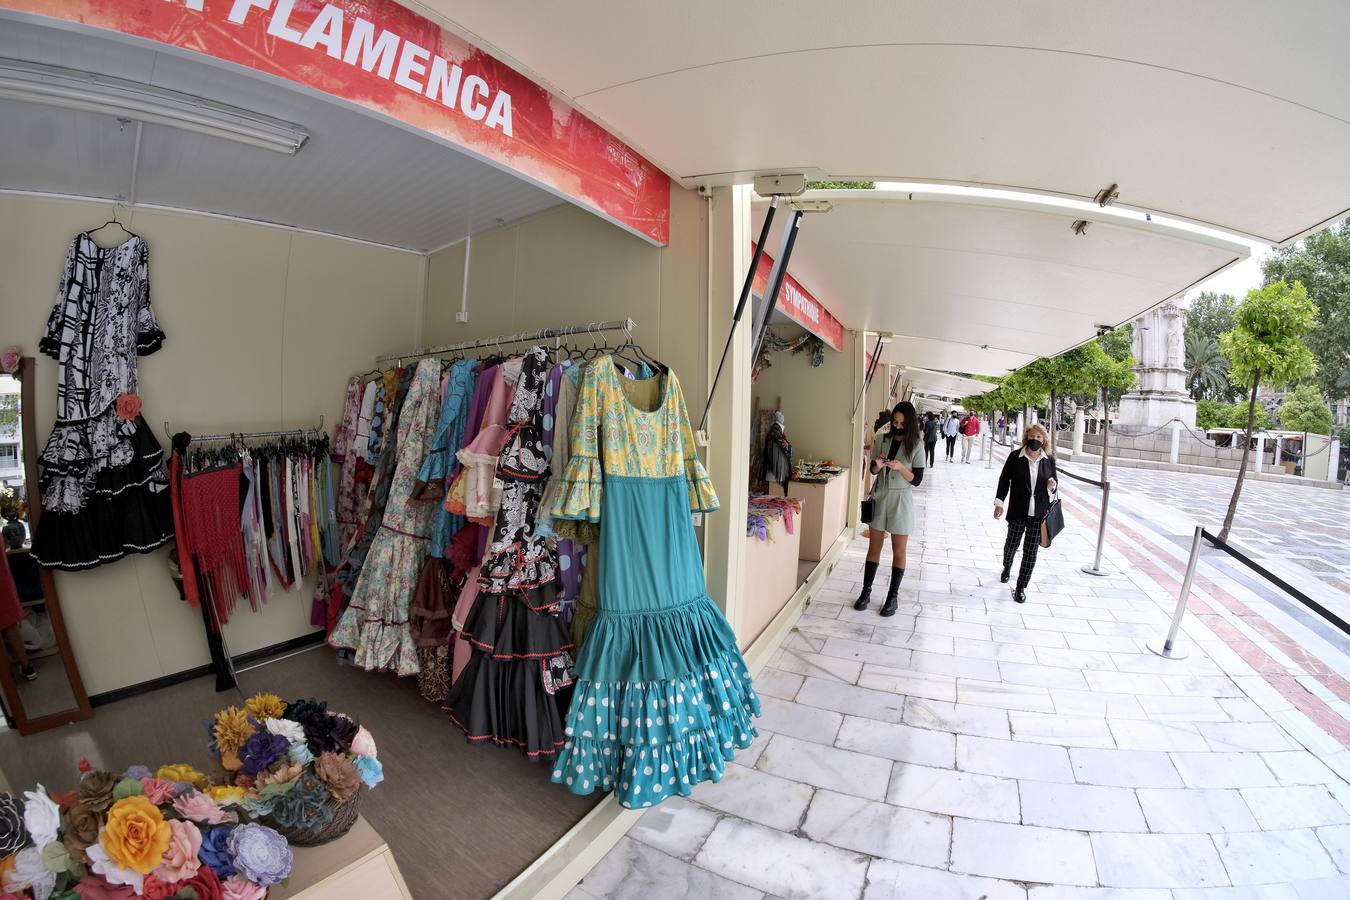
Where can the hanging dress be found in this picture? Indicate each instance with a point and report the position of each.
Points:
(663, 697)
(105, 488)
(375, 622)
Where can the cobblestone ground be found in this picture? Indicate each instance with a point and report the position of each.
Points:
(973, 748)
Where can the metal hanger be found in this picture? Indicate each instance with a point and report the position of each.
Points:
(112, 221)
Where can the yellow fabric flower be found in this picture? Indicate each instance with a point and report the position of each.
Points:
(136, 836)
(182, 772)
(265, 706)
(232, 729)
(225, 794)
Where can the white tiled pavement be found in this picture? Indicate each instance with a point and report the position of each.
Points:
(973, 748)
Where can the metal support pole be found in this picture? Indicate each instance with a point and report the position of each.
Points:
(867, 377)
(776, 276)
(1167, 647)
(1096, 567)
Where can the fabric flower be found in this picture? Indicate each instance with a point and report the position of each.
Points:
(372, 773)
(299, 753)
(343, 731)
(265, 706)
(215, 852)
(13, 834)
(96, 790)
(205, 884)
(41, 816)
(293, 732)
(155, 889)
(182, 772)
(158, 791)
(338, 775)
(363, 744)
(260, 854)
(318, 724)
(9, 360)
(29, 871)
(261, 750)
(232, 729)
(306, 805)
(136, 835)
(128, 407)
(180, 859)
(283, 772)
(82, 827)
(236, 888)
(128, 787)
(94, 888)
(225, 794)
(100, 863)
(200, 808)
(140, 773)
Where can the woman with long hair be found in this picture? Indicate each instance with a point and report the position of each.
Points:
(1029, 475)
(897, 464)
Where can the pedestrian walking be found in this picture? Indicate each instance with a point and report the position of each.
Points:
(932, 430)
(970, 429)
(1002, 428)
(950, 429)
(1027, 481)
(897, 465)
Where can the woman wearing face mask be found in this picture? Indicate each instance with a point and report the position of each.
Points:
(897, 465)
(1029, 475)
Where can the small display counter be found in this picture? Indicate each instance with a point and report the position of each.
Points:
(824, 513)
(358, 864)
(771, 555)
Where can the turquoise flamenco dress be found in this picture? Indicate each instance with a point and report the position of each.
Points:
(663, 697)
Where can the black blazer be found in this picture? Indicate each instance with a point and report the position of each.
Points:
(1016, 480)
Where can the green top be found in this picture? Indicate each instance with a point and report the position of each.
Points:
(889, 479)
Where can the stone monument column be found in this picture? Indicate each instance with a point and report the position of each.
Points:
(1161, 393)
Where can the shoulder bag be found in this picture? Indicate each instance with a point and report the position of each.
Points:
(869, 505)
(1053, 523)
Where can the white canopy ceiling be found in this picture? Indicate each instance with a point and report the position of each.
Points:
(985, 285)
(1232, 113)
(941, 384)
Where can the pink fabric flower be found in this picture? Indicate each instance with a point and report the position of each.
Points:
(180, 860)
(128, 406)
(363, 744)
(200, 808)
(158, 791)
(9, 361)
(236, 888)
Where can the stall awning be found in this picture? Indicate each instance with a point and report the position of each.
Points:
(1233, 114)
(797, 303)
(943, 385)
(986, 285)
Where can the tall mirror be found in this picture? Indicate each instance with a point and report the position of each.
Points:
(41, 683)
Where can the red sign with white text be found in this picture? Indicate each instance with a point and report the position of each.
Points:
(389, 59)
(799, 304)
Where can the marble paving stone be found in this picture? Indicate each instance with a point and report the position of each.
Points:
(798, 720)
(995, 652)
(1124, 768)
(777, 683)
(1244, 892)
(635, 871)
(1239, 736)
(1003, 696)
(879, 829)
(1223, 770)
(1057, 623)
(757, 796)
(1258, 689)
(1298, 767)
(1295, 807)
(834, 628)
(1087, 705)
(1055, 892)
(1124, 629)
(888, 880)
(1007, 619)
(933, 643)
(1061, 730)
(1022, 853)
(821, 665)
(1105, 643)
(1080, 612)
(904, 743)
(1013, 759)
(802, 642)
(954, 666)
(1323, 888)
(855, 653)
(827, 767)
(1157, 736)
(1148, 664)
(1336, 839)
(1081, 807)
(956, 718)
(967, 630)
(1126, 683)
(789, 867)
(953, 793)
(678, 826)
(1042, 676)
(1183, 709)
(1075, 659)
(750, 755)
(852, 700)
(1202, 686)
(1301, 730)
(912, 684)
(1191, 811)
(1274, 856)
(1029, 637)
(1158, 860)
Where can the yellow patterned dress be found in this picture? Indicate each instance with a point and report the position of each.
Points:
(663, 697)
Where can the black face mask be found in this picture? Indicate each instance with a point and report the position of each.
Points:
(1034, 444)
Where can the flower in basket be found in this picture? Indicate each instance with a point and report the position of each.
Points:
(236, 888)
(265, 706)
(82, 825)
(158, 791)
(200, 808)
(339, 775)
(372, 772)
(363, 744)
(307, 805)
(233, 729)
(180, 858)
(28, 872)
(261, 750)
(318, 725)
(13, 833)
(182, 773)
(260, 854)
(96, 790)
(41, 816)
(215, 851)
(135, 836)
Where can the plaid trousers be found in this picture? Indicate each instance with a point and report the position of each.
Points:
(1027, 532)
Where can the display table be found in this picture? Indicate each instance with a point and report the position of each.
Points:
(770, 576)
(824, 513)
(358, 864)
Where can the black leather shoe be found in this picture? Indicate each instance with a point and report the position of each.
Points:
(865, 598)
(1019, 596)
(893, 593)
(1004, 576)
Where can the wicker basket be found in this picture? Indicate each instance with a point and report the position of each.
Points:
(344, 817)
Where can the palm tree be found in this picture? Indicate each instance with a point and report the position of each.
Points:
(1206, 368)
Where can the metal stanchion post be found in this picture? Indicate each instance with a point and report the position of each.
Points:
(1166, 648)
(1096, 567)
(989, 457)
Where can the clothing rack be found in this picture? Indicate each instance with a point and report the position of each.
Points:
(248, 435)
(624, 325)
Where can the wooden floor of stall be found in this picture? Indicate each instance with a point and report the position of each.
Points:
(461, 820)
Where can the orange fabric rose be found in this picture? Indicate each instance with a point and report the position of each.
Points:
(128, 407)
(136, 835)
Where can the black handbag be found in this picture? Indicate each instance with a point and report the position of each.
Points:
(1053, 523)
(869, 506)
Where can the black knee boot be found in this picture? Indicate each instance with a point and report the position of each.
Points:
(893, 593)
(865, 598)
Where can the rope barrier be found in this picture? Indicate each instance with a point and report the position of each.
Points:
(1279, 582)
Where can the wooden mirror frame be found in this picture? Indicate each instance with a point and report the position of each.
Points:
(13, 701)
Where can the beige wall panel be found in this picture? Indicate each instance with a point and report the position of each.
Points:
(684, 343)
(817, 402)
(445, 280)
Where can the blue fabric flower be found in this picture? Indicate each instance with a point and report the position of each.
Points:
(261, 750)
(299, 753)
(138, 772)
(215, 852)
(372, 773)
(262, 855)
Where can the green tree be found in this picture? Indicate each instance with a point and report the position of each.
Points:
(1206, 368)
(1211, 314)
(1217, 414)
(841, 185)
(1267, 343)
(9, 410)
(1117, 343)
(1321, 262)
(1304, 409)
